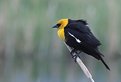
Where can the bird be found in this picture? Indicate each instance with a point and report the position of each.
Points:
(77, 35)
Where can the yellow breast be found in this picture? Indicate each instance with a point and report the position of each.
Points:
(61, 34)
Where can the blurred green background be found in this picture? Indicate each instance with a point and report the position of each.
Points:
(30, 50)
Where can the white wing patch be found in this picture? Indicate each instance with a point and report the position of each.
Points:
(75, 37)
(87, 25)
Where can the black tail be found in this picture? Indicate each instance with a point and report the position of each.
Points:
(100, 58)
(104, 63)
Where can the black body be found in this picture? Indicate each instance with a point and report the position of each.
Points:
(89, 43)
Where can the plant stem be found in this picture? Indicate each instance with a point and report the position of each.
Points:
(82, 66)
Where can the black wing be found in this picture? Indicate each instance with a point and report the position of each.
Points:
(79, 37)
(81, 31)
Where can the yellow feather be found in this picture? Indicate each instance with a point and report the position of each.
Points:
(60, 32)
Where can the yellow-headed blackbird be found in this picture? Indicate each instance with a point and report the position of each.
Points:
(77, 35)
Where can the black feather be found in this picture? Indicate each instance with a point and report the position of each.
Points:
(89, 43)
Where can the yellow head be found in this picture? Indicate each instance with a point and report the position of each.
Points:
(61, 24)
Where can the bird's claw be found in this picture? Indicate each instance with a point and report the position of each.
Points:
(74, 54)
(74, 57)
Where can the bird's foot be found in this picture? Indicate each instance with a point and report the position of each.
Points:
(74, 54)
(75, 57)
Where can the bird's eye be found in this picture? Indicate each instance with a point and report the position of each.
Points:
(58, 25)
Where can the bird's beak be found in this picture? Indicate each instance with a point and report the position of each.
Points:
(56, 26)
